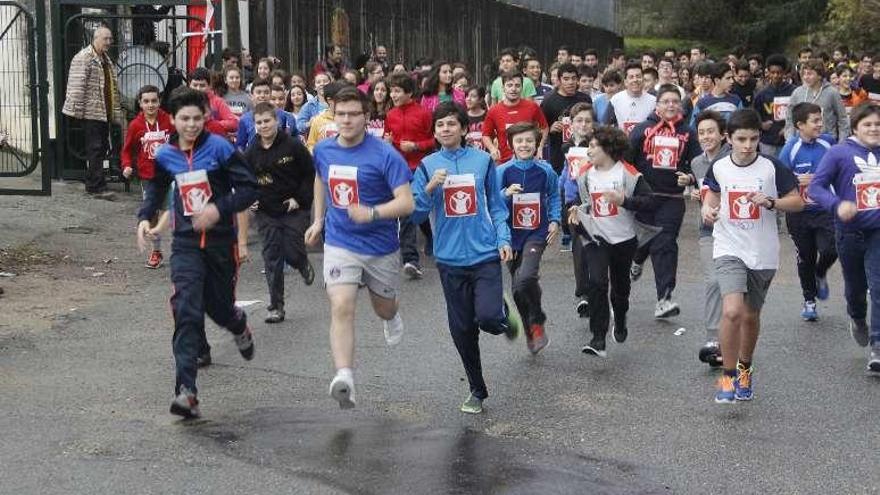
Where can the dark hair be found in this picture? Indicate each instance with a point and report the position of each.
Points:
(332, 90)
(668, 88)
(276, 87)
(509, 51)
(862, 111)
(288, 105)
(650, 54)
(565, 48)
(615, 53)
(149, 88)
(566, 68)
(376, 111)
(229, 53)
(185, 97)
(815, 65)
(700, 49)
(348, 93)
(591, 51)
(703, 69)
(278, 73)
(582, 107)
(632, 66)
(588, 70)
(742, 65)
(711, 115)
(612, 140)
(444, 110)
(717, 70)
(481, 94)
(431, 85)
(843, 67)
(651, 70)
(612, 76)
(806, 49)
(328, 49)
(523, 127)
(756, 56)
(745, 119)
(778, 60)
(667, 60)
(801, 112)
(260, 82)
(402, 81)
(513, 74)
(264, 107)
(199, 74)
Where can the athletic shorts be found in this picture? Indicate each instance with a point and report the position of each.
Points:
(381, 274)
(734, 277)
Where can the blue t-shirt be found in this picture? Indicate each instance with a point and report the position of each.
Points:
(365, 174)
(803, 157)
(725, 105)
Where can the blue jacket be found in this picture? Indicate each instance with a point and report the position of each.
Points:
(307, 113)
(469, 239)
(233, 187)
(535, 176)
(247, 132)
(803, 158)
(838, 168)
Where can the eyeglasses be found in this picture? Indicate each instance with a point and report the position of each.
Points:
(669, 103)
(343, 115)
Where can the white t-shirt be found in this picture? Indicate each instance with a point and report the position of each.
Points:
(614, 223)
(745, 230)
(629, 111)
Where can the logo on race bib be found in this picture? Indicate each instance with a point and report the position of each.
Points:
(740, 206)
(780, 107)
(526, 211)
(195, 191)
(342, 181)
(460, 196)
(602, 207)
(665, 154)
(868, 196)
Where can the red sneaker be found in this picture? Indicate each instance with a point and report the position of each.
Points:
(538, 339)
(155, 260)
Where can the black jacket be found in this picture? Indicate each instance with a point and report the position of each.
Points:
(663, 181)
(284, 170)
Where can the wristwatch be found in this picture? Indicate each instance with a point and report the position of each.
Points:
(374, 214)
(772, 204)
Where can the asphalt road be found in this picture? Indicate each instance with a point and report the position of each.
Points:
(83, 402)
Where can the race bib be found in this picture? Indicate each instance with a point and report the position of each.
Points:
(780, 107)
(195, 191)
(343, 184)
(665, 155)
(376, 128)
(460, 196)
(577, 159)
(867, 191)
(527, 211)
(628, 127)
(739, 206)
(566, 128)
(151, 141)
(601, 207)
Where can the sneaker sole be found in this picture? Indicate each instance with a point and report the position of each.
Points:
(274, 320)
(810, 318)
(744, 398)
(412, 273)
(725, 401)
(669, 314)
(874, 367)
(538, 345)
(593, 352)
(151, 267)
(342, 393)
(394, 340)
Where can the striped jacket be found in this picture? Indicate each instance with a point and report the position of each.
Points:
(85, 87)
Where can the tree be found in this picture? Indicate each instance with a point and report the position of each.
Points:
(854, 23)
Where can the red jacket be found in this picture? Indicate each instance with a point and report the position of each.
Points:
(222, 120)
(411, 122)
(139, 143)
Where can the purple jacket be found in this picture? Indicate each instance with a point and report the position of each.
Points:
(838, 168)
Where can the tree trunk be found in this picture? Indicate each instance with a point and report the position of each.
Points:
(232, 21)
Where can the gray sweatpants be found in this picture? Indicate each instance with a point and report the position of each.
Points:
(712, 309)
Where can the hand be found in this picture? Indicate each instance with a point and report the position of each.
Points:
(614, 197)
(291, 204)
(847, 210)
(683, 179)
(496, 155)
(207, 218)
(313, 233)
(552, 232)
(127, 172)
(556, 127)
(513, 189)
(244, 255)
(437, 179)
(360, 214)
(408, 146)
(710, 214)
(759, 199)
(573, 216)
(506, 253)
(804, 179)
(143, 233)
(695, 194)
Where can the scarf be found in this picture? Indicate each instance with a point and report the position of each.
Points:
(665, 128)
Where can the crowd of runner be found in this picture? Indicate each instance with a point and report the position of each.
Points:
(571, 154)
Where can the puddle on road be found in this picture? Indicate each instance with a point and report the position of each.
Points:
(354, 454)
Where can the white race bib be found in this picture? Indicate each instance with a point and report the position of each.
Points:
(867, 191)
(460, 196)
(343, 184)
(527, 211)
(195, 191)
(665, 154)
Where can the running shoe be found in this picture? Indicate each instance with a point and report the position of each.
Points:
(808, 312)
(514, 321)
(308, 273)
(743, 382)
(874, 360)
(185, 404)
(710, 354)
(665, 308)
(413, 271)
(726, 393)
(596, 347)
(155, 260)
(565, 243)
(635, 272)
(822, 290)
(858, 328)
(245, 343)
(393, 330)
(583, 308)
(275, 316)
(472, 405)
(619, 332)
(342, 390)
(537, 338)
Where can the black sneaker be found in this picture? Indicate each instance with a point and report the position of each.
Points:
(619, 332)
(583, 308)
(710, 353)
(596, 347)
(186, 404)
(413, 271)
(204, 359)
(308, 274)
(275, 316)
(245, 343)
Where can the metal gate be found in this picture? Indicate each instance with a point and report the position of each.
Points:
(23, 106)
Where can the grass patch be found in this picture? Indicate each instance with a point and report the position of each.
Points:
(636, 45)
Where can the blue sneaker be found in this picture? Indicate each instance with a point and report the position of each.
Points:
(565, 243)
(743, 383)
(822, 290)
(726, 393)
(809, 313)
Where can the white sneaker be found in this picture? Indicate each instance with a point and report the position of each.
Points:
(393, 330)
(666, 308)
(342, 389)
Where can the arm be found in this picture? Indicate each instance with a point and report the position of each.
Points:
(642, 198)
(401, 206)
(422, 194)
(820, 186)
(554, 212)
(313, 136)
(128, 147)
(244, 222)
(319, 204)
(843, 129)
(497, 208)
(426, 144)
(306, 189)
(154, 193)
(225, 116)
(244, 187)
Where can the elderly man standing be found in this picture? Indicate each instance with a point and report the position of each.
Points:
(93, 99)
